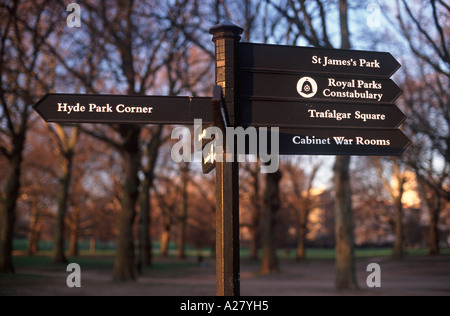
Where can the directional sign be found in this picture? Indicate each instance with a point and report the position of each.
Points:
(219, 109)
(85, 108)
(317, 60)
(220, 120)
(316, 88)
(209, 158)
(326, 115)
(361, 142)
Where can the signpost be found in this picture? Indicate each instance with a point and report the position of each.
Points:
(339, 142)
(316, 60)
(221, 121)
(324, 115)
(311, 87)
(85, 108)
(326, 102)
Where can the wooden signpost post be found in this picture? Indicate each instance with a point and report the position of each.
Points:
(325, 102)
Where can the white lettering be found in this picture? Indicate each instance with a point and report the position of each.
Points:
(74, 19)
(343, 141)
(298, 140)
(64, 107)
(316, 60)
(338, 116)
(366, 117)
(133, 109)
(372, 142)
(374, 279)
(191, 306)
(74, 279)
(328, 93)
(181, 151)
(369, 64)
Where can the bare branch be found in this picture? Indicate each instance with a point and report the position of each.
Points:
(323, 17)
(418, 51)
(386, 183)
(101, 137)
(445, 5)
(446, 55)
(5, 152)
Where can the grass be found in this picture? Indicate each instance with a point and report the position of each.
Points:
(104, 259)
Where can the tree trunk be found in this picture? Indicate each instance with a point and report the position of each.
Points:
(145, 245)
(145, 236)
(34, 231)
(92, 246)
(74, 234)
(435, 210)
(256, 215)
(7, 215)
(182, 218)
(269, 262)
(59, 238)
(397, 252)
(345, 253)
(165, 238)
(254, 242)
(345, 258)
(302, 230)
(124, 268)
(181, 238)
(432, 199)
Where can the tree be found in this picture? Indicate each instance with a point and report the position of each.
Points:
(269, 261)
(126, 45)
(182, 215)
(435, 205)
(22, 76)
(309, 21)
(251, 200)
(202, 214)
(396, 191)
(168, 200)
(151, 154)
(345, 257)
(66, 149)
(301, 198)
(422, 26)
(426, 103)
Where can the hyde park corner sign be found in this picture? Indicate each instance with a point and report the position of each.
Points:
(125, 109)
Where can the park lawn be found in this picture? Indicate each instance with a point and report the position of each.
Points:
(104, 259)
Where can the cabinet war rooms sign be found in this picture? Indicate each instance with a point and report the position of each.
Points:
(324, 102)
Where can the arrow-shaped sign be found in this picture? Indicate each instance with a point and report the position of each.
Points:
(317, 88)
(85, 108)
(221, 121)
(361, 142)
(317, 60)
(209, 158)
(326, 115)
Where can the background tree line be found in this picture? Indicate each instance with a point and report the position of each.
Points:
(117, 182)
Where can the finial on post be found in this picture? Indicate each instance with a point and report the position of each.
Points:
(226, 29)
